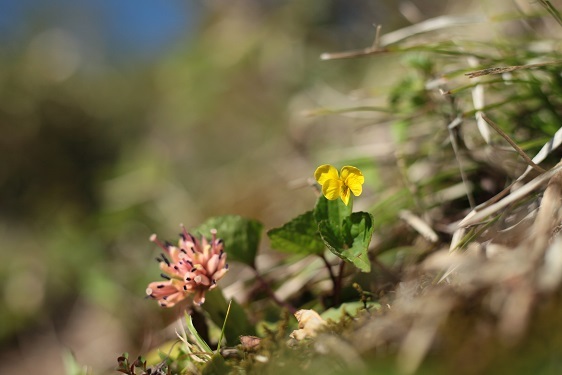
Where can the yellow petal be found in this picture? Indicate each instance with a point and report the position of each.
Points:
(354, 183)
(353, 178)
(325, 172)
(331, 188)
(345, 195)
(348, 171)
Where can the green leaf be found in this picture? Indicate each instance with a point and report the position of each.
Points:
(241, 236)
(332, 238)
(237, 323)
(166, 350)
(217, 366)
(71, 366)
(334, 212)
(200, 342)
(352, 308)
(299, 236)
(352, 242)
(358, 231)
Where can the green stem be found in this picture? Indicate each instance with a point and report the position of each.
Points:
(552, 10)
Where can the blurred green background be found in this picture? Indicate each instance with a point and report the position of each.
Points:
(119, 119)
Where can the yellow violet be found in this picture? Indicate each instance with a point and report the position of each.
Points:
(341, 184)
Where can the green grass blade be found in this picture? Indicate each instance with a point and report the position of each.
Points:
(200, 342)
(224, 326)
(552, 10)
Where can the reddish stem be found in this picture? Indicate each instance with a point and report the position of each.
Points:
(338, 284)
(271, 293)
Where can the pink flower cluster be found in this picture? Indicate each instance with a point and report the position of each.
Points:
(191, 268)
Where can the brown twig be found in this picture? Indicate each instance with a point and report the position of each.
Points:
(513, 144)
(373, 49)
(330, 271)
(507, 69)
(382, 41)
(337, 286)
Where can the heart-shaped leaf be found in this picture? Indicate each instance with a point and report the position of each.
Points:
(331, 237)
(358, 230)
(237, 323)
(352, 243)
(298, 236)
(241, 236)
(333, 212)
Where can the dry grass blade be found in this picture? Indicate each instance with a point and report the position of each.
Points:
(479, 103)
(458, 235)
(475, 217)
(551, 276)
(507, 69)
(419, 225)
(550, 146)
(548, 217)
(457, 122)
(518, 306)
(513, 144)
(432, 24)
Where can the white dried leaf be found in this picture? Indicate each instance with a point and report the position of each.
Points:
(309, 323)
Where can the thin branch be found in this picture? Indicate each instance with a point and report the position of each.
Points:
(337, 288)
(496, 197)
(271, 293)
(513, 144)
(381, 42)
(330, 271)
(377, 42)
(474, 217)
(456, 122)
(507, 69)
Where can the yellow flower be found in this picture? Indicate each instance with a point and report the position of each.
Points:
(336, 185)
